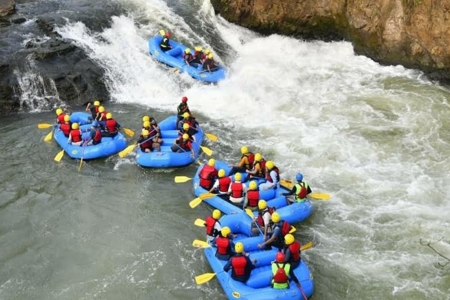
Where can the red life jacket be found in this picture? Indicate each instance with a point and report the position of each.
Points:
(250, 158)
(224, 184)
(187, 56)
(185, 145)
(260, 219)
(65, 128)
(111, 125)
(147, 145)
(239, 263)
(76, 135)
(268, 178)
(253, 198)
(237, 190)
(262, 168)
(295, 251)
(280, 276)
(207, 175)
(98, 136)
(223, 245)
(61, 118)
(210, 223)
(103, 116)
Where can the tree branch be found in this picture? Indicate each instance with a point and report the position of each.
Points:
(429, 245)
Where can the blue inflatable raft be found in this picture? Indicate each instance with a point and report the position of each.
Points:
(258, 287)
(174, 58)
(293, 213)
(107, 147)
(167, 158)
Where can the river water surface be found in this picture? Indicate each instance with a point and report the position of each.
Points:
(375, 138)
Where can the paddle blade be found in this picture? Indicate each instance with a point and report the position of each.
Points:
(212, 137)
(200, 244)
(206, 196)
(129, 132)
(199, 223)
(59, 156)
(307, 246)
(162, 32)
(201, 279)
(293, 229)
(126, 151)
(320, 196)
(81, 164)
(196, 202)
(206, 150)
(49, 136)
(44, 125)
(249, 213)
(286, 183)
(181, 179)
(176, 70)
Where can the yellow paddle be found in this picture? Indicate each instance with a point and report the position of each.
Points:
(127, 151)
(289, 184)
(49, 136)
(176, 70)
(59, 156)
(44, 125)
(129, 132)
(196, 202)
(199, 223)
(206, 150)
(200, 244)
(201, 279)
(212, 137)
(181, 179)
(251, 215)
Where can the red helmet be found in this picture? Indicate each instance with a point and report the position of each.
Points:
(168, 34)
(184, 99)
(279, 257)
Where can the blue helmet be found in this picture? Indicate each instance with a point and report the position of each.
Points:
(95, 124)
(299, 177)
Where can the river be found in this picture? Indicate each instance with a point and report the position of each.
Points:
(376, 138)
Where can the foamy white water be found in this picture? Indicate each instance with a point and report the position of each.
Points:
(374, 137)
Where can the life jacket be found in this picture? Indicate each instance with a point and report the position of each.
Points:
(98, 136)
(164, 43)
(262, 168)
(239, 262)
(207, 175)
(224, 184)
(250, 159)
(285, 227)
(295, 249)
(147, 144)
(223, 245)
(65, 128)
(188, 56)
(111, 125)
(210, 223)
(60, 118)
(182, 108)
(237, 190)
(269, 178)
(198, 56)
(301, 191)
(180, 135)
(153, 131)
(185, 145)
(76, 135)
(280, 273)
(260, 219)
(103, 116)
(253, 198)
(189, 122)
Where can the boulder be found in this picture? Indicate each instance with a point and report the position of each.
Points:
(7, 7)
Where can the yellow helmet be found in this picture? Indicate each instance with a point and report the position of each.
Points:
(145, 119)
(145, 133)
(289, 239)
(270, 165)
(96, 103)
(239, 247)
(275, 217)
(198, 48)
(258, 157)
(221, 173)
(210, 55)
(101, 109)
(237, 177)
(187, 51)
(185, 136)
(59, 111)
(185, 126)
(226, 231)
(186, 115)
(75, 126)
(211, 162)
(66, 118)
(253, 185)
(262, 204)
(244, 150)
(109, 116)
(216, 214)
(207, 51)
(146, 124)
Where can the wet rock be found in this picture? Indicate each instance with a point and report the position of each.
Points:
(7, 7)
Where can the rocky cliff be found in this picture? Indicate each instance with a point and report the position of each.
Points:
(413, 33)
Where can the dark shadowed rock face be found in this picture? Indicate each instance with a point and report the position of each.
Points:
(408, 32)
